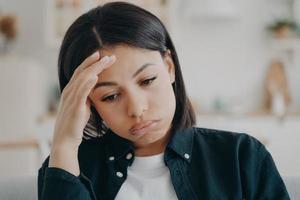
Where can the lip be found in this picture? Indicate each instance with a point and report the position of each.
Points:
(141, 128)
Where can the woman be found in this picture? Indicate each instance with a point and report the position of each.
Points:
(124, 128)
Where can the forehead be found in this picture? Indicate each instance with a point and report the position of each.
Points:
(127, 53)
(128, 59)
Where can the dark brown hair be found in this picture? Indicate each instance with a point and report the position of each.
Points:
(120, 23)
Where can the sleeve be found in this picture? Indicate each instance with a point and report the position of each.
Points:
(58, 184)
(259, 175)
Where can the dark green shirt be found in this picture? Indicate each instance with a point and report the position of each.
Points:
(204, 164)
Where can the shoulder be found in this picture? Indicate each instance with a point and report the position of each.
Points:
(87, 150)
(237, 158)
(224, 136)
(90, 149)
(225, 141)
(92, 145)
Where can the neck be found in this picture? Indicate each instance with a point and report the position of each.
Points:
(149, 151)
(154, 148)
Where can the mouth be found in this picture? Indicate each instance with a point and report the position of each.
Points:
(143, 128)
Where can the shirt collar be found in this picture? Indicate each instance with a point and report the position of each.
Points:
(117, 146)
(181, 142)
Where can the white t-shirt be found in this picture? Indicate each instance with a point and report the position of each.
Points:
(148, 178)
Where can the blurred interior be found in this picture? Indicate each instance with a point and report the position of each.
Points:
(240, 60)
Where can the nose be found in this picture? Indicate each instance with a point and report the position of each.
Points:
(137, 105)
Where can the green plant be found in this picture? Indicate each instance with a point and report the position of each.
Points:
(283, 23)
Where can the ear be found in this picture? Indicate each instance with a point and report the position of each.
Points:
(170, 65)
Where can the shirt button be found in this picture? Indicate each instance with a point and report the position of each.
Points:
(120, 174)
(129, 156)
(111, 158)
(187, 156)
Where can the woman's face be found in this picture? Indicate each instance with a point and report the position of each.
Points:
(142, 92)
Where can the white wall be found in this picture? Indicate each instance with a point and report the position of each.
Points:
(226, 58)
(31, 39)
(229, 58)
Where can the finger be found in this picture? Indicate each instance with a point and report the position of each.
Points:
(84, 89)
(101, 64)
(87, 62)
(89, 77)
(88, 102)
(104, 63)
(96, 68)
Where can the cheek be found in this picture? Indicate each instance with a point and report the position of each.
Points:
(163, 101)
(113, 121)
(165, 90)
(106, 114)
(169, 100)
(113, 117)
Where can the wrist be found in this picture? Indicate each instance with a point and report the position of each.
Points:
(65, 156)
(61, 143)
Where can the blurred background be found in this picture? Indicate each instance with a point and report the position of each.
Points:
(239, 58)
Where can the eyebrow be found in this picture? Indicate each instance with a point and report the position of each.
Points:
(102, 84)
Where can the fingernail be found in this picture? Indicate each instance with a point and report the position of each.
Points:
(105, 59)
(95, 55)
(112, 57)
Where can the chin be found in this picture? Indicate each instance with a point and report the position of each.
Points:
(149, 138)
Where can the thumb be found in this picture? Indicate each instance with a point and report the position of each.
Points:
(89, 102)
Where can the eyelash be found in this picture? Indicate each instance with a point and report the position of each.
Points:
(147, 81)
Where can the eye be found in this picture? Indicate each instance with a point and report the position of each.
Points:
(148, 81)
(110, 98)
